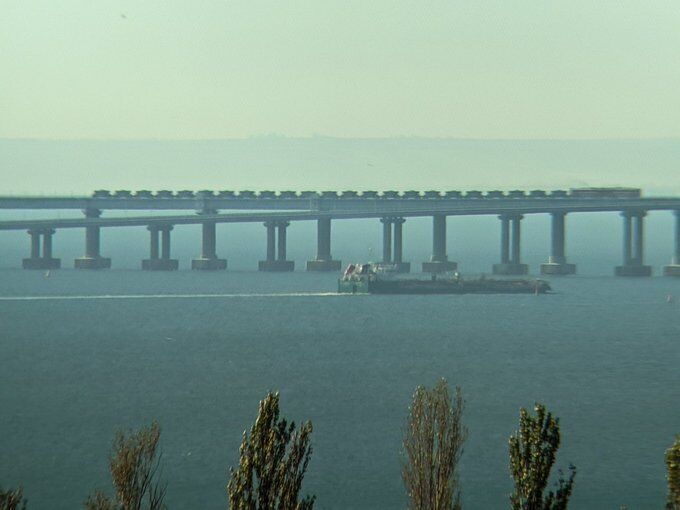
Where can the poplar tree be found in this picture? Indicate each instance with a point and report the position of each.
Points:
(12, 499)
(532, 454)
(272, 464)
(433, 444)
(134, 468)
(673, 468)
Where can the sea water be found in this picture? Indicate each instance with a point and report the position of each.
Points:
(84, 354)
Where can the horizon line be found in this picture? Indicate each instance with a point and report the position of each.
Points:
(275, 136)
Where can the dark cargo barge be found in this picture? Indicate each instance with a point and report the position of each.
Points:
(372, 279)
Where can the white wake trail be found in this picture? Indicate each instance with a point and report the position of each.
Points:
(166, 296)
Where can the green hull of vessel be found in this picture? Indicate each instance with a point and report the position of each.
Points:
(480, 286)
(353, 286)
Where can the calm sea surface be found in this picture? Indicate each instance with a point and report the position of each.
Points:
(84, 354)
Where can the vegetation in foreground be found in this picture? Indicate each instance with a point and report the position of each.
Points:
(673, 470)
(433, 445)
(273, 462)
(275, 455)
(12, 499)
(533, 449)
(134, 466)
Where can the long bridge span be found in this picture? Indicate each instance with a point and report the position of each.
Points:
(277, 210)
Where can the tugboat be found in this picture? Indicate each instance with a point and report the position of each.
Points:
(378, 279)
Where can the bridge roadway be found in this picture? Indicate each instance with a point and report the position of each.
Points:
(277, 211)
(342, 209)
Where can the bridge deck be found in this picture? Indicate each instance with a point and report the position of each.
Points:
(356, 208)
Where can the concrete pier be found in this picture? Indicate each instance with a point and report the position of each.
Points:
(393, 244)
(439, 262)
(92, 258)
(208, 260)
(510, 247)
(162, 262)
(38, 260)
(387, 240)
(673, 269)
(324, 261)
(276, 248)
(557, 262)
(633, 245)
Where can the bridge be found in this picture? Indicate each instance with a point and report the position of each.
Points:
(277, 209)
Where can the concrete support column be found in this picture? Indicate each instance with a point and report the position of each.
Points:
(153, 251)
(398, 240)
(209, 240)
(324, 261)
(505, 239)
(208, 260)
(515, 258)
(281, 244)
(387, 240)
(439, 238)
(557, 248)
(394, 242)
(510, 247)
(627, 239)
(398, 246)
(162, 262)
(323, 239)
(92, 242)
(35, 243)
(271, 241)
(674, 268)
(557, 262)
(633, 245)
(676, 255)
(276, 240)
(439, 261)
(39, 260)
(47, 243)
(638, 239)
(92, 258)
(165, 243)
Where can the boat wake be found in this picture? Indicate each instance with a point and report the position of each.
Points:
(165, 296)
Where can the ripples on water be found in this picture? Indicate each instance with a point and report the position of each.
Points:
(84, 354)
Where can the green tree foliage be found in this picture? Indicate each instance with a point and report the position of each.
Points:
(433, 444)
(273, 462)
(532, 454)
(12, 499)
(134, 468)
(673, 468)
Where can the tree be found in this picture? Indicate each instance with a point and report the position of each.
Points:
(673, 468)
(532, 454)
(134, 470)
(433, 444)
(273, 462)
(12, 499)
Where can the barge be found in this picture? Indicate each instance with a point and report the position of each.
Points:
(378, 279)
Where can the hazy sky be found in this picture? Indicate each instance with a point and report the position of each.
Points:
(222, 69)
